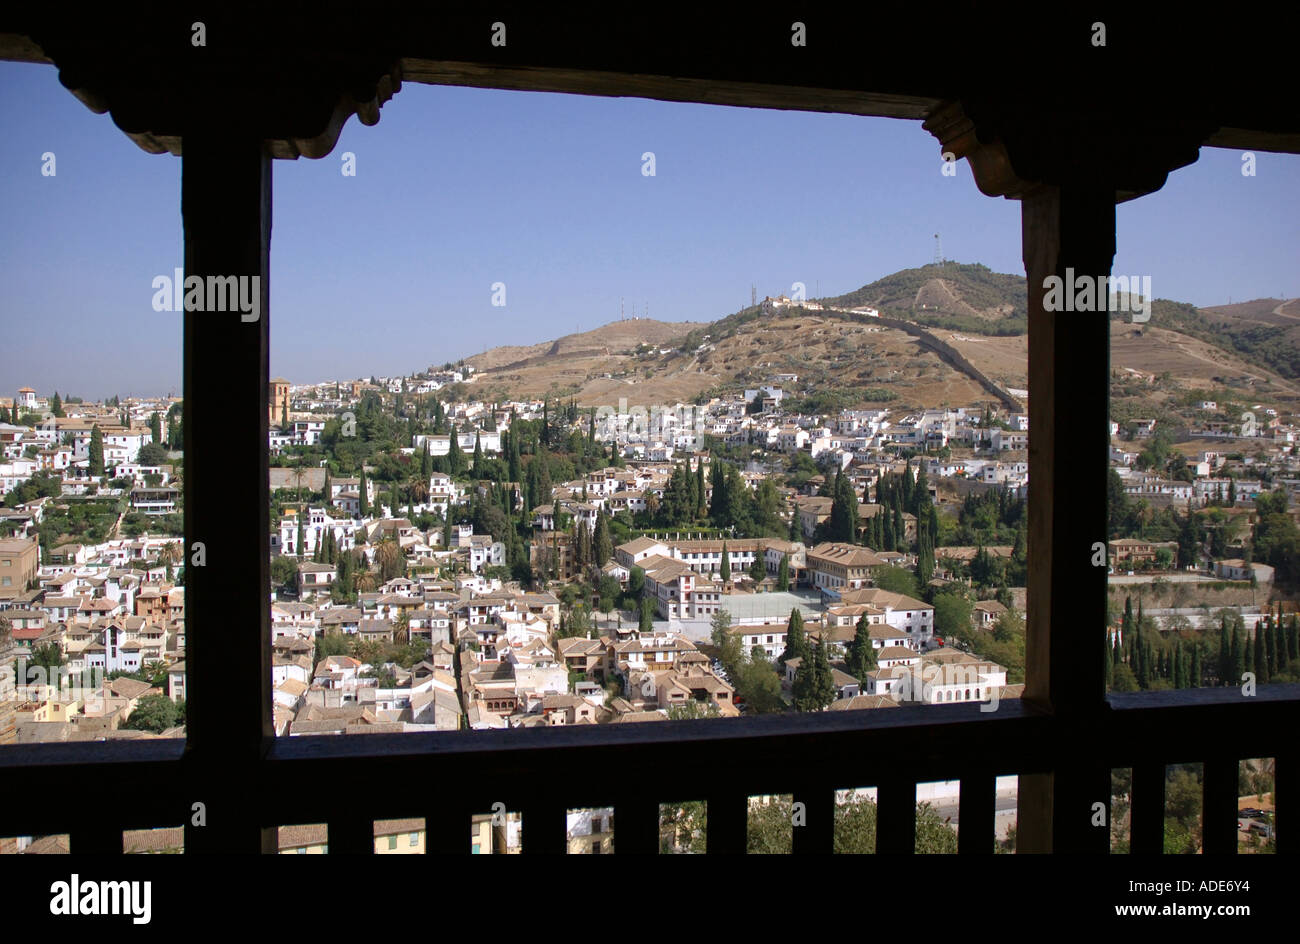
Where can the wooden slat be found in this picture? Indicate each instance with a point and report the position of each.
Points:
(727, 823)
(636, 827)
(976, 812)
(447, 829)
(351, 835)
(1147, 810)
(544, 827)
(896, 816)
(816, 835)
(96, 839)
(1219, 806)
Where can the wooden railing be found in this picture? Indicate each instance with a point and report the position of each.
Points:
(94, 791)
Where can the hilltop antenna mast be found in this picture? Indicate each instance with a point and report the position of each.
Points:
(938, 250)
(753, 295)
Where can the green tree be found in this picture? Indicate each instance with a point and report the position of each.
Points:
(725, 642)
(796, 644)
(725, 570)
(861, 657)
(96, 451)
(455, 458)
(814, 687)
(895, 580)
(155, 427)
(758, 684)
(646, 624)
(602, 546)
(770, 828)
(155, 713)
(48, 657)
(783, 574)
(952, 617)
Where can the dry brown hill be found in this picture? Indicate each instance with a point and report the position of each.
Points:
(846, 360)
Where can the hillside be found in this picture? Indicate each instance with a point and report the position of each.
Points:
(608, 340)
(963, 297)
(847, 360)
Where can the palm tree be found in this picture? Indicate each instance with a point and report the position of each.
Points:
(367, 582)
(156, 673)
(389, 557)
(170, 553)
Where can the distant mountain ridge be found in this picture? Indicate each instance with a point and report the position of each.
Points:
(846, 360)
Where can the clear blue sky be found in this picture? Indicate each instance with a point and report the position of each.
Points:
(391, 270)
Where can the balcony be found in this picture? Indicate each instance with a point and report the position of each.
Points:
(287, 93)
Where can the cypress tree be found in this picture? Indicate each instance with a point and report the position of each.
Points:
(155, 427)
(1110, 665)
(861, 657)
(1238, 657)
(921, 492)
(1195, 680)
(783, 574)
(1261, 660)
(604, 545)
(478, 451)
(823, 680)
(455, 458)
(1225, 651)
(725, 570)
(96, 450)
(1270, 648)
(701, 508)
(1141, 667)
(795, 642)
(691, 492)
(364, 493)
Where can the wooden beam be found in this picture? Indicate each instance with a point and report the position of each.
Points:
(1068, 233)
(226, 209)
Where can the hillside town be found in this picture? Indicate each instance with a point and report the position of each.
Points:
(442, 563)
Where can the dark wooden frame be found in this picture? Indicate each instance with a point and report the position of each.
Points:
(273, 85)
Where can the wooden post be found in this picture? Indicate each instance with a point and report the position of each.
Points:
(1067, 230)
(226, 208)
